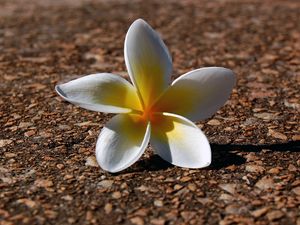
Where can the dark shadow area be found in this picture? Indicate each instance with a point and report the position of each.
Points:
(153, 163)
(293, 146)
(222, 159)
(222, 156)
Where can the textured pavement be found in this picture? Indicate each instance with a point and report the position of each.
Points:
(48, 173)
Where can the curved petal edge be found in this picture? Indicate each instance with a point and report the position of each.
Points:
(198, 94)
(122, 142)
(102, 92)
(180, 142)
(148, 61)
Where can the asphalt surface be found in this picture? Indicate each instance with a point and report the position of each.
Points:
(48, 172)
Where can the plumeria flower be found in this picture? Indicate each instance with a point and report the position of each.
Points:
(149, 110)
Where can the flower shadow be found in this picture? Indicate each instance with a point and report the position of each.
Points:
(153, 163)
(222, 159)
(226, 154)
(223, 155)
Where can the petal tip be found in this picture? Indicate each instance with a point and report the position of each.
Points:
(138, 24)
(114, 150)
(206, 164)
(106, 166)
(139, 21)
(230, 73)
(59, 91)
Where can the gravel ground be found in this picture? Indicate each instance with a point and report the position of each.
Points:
(48, 172)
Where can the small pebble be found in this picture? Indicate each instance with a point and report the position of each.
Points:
(116, 195)
(106, 183)
(214, 122)
(255, 169)
(158, 203)
(274, 215)
(5, 142)
(108, 208)
(265, 183)
(137, 220)
(91, 161)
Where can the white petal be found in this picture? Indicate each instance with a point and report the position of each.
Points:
(122, 142)
(147, 60)
(179, 141)
(198, 94)
(103, 92)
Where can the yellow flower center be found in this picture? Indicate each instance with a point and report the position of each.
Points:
(149, 115)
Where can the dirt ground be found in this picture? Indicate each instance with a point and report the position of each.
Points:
(48, 172)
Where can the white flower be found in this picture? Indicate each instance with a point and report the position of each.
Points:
(150, 109)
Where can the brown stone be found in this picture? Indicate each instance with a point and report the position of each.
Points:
(158, 203)
(274, 215)
(5, 142)
(277, 134)
(108, 208)
(28, 202)
(116, 195)
(230, 188)
(137, 220)
(29, 133)
(265, 183)
(214, 122)
(255, 169)
(260, 212)
(91, 161)
(296, 190)
(158, 221)
(43, 183)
